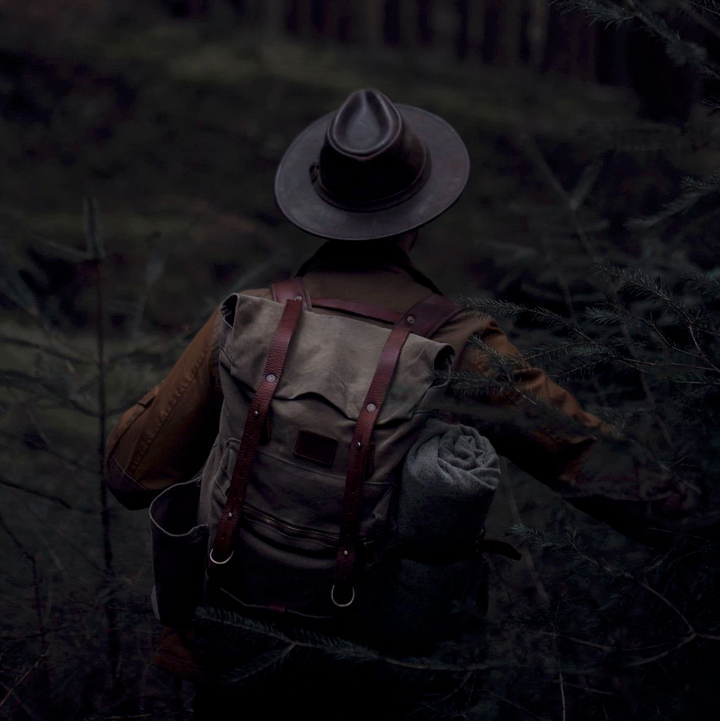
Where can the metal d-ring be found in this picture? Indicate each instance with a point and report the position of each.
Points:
(342, 605)
(221, 563)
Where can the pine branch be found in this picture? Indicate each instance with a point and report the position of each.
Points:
(221, 622)
(505, 309)
(601, 12)
(262, 666)
(570, 544)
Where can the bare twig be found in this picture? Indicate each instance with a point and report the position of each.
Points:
(95, 248)
(22, 343)
(515, 705)
(517, 519)
(533, 151)
(669, 604)
(535, 154)
(22, 678)
(663, 654)
(32, 491)
(589, 689)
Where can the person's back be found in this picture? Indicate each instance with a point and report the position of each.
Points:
(366, 178)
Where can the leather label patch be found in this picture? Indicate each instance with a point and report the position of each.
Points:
(316, 448)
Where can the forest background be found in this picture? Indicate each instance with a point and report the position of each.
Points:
(139, 142)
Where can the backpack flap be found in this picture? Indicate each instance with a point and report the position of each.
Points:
(285, 550)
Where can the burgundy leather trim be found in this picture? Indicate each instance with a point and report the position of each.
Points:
(291, 289)
(256, 420)
(343, 591)
(366, 310)
(427, 316)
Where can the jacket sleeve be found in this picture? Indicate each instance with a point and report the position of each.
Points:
(167, 435)
(542, 429)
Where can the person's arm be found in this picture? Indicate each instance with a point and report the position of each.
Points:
(543, 430)
(166, 436)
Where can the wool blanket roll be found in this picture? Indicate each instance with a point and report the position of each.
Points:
(448, 482)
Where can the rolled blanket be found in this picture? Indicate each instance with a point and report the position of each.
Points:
(448, 483)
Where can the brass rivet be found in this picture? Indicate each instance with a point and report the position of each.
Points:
(411, 319)
(371, 407)
(270, 378)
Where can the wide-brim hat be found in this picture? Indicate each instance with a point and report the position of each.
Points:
(371, 170)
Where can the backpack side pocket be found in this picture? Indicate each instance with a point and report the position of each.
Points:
(179, 545)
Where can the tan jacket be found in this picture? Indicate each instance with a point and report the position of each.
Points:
(166, 437)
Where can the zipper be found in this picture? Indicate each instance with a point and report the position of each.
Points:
(286, 528)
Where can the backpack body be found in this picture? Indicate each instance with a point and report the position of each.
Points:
(285, 549)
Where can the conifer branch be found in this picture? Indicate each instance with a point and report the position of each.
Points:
(223, 621)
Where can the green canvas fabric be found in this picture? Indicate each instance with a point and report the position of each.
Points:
(285, 551)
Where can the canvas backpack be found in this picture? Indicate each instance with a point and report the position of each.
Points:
(294, 515)
(319, 411)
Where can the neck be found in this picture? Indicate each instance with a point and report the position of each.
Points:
(405, 241)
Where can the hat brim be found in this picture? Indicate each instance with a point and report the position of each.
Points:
(299, 202)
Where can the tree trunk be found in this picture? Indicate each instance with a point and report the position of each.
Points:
(409, 24)
(444, 21)
(303, 18)
(537, 33)
(510, 32)
(475, 28)
(371, 14)
(337, 20)
(274, 18)
(424, 21)
(588, 38)
(254, 10)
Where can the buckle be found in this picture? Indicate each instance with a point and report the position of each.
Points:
(342, 605)
(220, 563)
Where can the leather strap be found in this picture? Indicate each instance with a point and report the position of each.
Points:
(256, 419)
(291, 289)
(365, 310)
(343, 591)
(427, 316)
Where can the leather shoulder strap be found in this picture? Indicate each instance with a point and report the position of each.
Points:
(291, 289)
(255, 422)
(427, 316)
(364, 310)
(343, 591)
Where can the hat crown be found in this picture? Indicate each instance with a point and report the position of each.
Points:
(371, 159)
(366, 124)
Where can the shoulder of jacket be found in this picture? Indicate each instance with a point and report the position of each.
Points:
(469, 321)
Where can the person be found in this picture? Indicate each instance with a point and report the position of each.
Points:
(366, 178)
